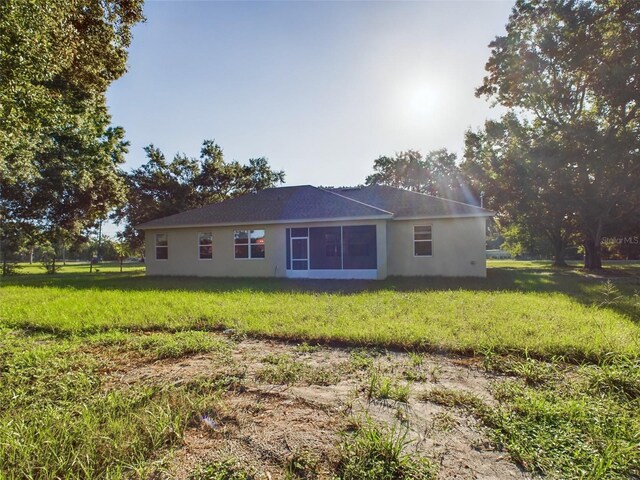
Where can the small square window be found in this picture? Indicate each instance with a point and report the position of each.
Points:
(205, 245)
(242, 251)
(162, 246)
(241, 236)
(422, 241)
(249, 243)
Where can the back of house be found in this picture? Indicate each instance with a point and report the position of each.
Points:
(308, 232)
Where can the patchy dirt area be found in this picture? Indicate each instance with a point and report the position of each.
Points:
(283, 404)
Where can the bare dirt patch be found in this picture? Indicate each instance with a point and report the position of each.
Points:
(263, 432)
(290, 402)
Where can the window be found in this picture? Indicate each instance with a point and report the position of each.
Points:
(422, 241)
(205, 245)
(249, 243)
(162, 246)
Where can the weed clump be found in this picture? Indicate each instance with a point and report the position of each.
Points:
(454, 398)
(221, 470)
(286, 370)
(380, 387)
(373, 452)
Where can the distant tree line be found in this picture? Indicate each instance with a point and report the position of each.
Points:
(158, 188)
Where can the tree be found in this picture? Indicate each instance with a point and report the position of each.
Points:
(59, 158)
(58, 57)
(522, 172)
(435, 174)
(573, 67)
(160, 187)
(122, 251)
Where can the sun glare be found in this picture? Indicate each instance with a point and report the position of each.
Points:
(418, 103)
(420, 100)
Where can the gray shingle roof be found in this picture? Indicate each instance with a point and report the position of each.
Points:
(272, 205)
(404, 203)
(301, 203)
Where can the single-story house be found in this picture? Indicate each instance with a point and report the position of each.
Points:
(309, 232)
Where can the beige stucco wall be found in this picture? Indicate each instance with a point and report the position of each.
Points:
(183, 251)
(458, 248)
(183, 254)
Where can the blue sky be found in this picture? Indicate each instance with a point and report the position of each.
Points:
(319, 88)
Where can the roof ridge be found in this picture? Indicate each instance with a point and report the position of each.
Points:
(431, 196)
(356, 201)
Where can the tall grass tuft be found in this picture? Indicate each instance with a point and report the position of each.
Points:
(373, 452)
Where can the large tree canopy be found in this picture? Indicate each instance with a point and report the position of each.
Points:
(57, 59)
(59, 156)
(573, 68)
(161, 187)
(520, 169)
(435, 173)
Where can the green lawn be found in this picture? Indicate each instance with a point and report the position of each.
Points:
(58, 333)
(521, 307)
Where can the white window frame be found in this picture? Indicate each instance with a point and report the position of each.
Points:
(200, 246)
(422, 241)
(249, 244)
(156, 247)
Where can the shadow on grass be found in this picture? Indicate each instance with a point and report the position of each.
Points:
(586, 288)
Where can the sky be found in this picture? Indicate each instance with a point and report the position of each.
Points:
(321, 89)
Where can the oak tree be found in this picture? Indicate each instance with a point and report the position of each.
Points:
(59, 156)
(161, 187)
(435, 173)
(522, 173)
(573, 68)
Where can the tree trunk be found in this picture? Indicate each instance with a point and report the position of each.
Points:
(558, 254)
(4, 262)
(121, 260)
(592, 257)
(31, 256)
(592, 252)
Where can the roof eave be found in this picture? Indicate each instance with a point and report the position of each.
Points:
(149, 226)
(450, 215)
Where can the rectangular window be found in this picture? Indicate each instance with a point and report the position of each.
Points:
(422, 241)
(249, 243)
(162, 246)
(205, 245)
